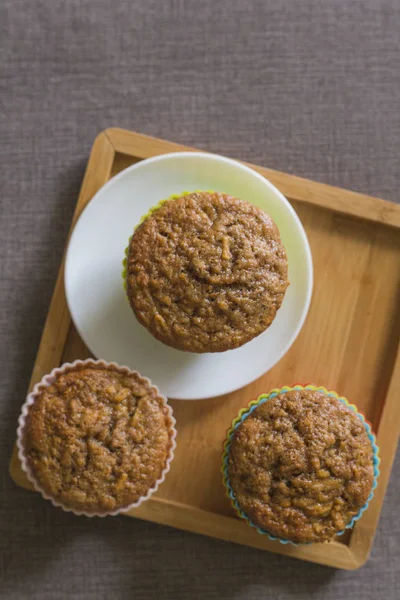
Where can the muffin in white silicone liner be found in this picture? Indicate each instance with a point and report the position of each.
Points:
(95, 438)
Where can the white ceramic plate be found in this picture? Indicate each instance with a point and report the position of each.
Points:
(94, 287)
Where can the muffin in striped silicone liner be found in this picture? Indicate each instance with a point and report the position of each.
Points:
(95, 438)
(300, 464)
(206, 272)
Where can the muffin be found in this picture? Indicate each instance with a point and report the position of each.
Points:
(206, 272)
(96, 438)
(300, 464)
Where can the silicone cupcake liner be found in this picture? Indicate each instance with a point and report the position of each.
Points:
(46, 382)
(148, 214)
(245, 412)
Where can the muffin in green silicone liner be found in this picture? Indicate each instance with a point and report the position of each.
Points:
(148, 214)
(206, 272)
(300, 464)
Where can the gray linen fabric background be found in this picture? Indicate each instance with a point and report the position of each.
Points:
(308, 87)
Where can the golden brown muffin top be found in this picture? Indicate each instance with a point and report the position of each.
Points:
(97, 439)
(206, 272)
(301, 466)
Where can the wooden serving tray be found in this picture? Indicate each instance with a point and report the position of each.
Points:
(349, 343)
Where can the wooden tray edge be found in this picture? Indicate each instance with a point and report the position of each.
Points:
(364, 532)
(296, 188)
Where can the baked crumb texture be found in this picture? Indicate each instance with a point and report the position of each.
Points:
(301, 465)
(97, 440)
(206, 272)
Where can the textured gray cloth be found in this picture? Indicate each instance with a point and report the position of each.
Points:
(308, 87)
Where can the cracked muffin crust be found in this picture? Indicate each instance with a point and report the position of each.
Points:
(206, 272)
(97, 439)
(301, 466)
